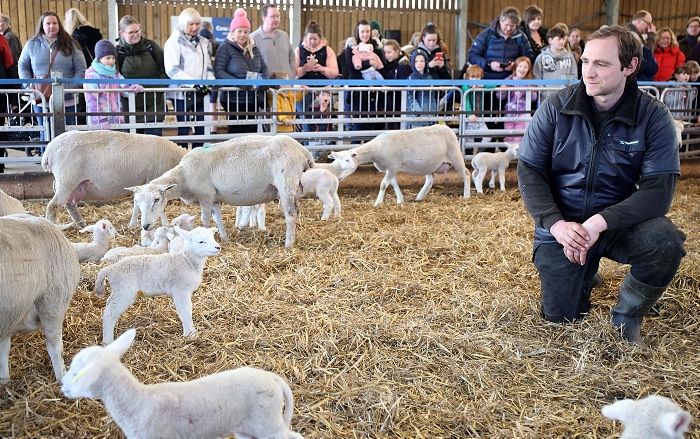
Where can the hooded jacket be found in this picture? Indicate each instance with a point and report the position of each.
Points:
(491, 45)
(568, 173)
(445, 72)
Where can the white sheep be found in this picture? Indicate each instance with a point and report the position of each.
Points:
(680, 126)
(102, 231)
(494, 162)
(252, 216)
(39, 271)
(10, 205)
(159, 245)
(184, 221)
(340, 167)
(653, 417)
(98, 165)
(242, 171)
(176, 275)
(418, 151)
(325, 183)
(244, 402)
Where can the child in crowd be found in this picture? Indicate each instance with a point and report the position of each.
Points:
(694, 70)
(555, 61)
(104, 67)
(682, 96)
(516, 101)
(577, 51)
(423, 100)
(365, 52)
(286, 103)
(473, 101)
(320, 108)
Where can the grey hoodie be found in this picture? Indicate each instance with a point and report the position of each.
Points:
(550, 66)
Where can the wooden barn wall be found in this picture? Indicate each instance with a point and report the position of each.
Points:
(338, 22)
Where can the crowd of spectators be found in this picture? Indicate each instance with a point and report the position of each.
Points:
(193, 53)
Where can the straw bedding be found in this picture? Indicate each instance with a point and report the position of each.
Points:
(416, 320)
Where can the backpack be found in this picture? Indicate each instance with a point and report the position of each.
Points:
(121, 54)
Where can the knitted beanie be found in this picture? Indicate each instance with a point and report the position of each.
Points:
(240, 19)
(374, 24)
(105, 48)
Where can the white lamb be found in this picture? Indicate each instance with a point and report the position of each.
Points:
(418, 151)
(653, 417)
(10, 205)
(39, 271)
(244, 402)
(242, 171)
(340, 167)
(494, 162)
(102, 231)
(325, 183)
(176, 275)
(252, 216)
(159, 245)
(184, 221)
(98, 165)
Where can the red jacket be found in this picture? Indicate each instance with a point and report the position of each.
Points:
(667, 59)
(6, 53)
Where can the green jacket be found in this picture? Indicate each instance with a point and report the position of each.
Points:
(141, 63)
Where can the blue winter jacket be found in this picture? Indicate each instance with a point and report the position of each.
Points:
(589, 175)
(490, 45)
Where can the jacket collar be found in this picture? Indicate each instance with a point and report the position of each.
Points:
(579, 102)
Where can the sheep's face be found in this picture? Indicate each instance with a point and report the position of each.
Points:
(201, 240)
(151, 200)
(106, 227)
(184, 221)
(345, 160)
(71, 384)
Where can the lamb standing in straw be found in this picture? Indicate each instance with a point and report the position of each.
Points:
(653, 417)
(418, 151)
(39, 272)
(98, 165)
(494, 162)
(242, 171)
(176, 275)
(245, 402)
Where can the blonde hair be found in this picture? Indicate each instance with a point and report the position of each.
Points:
(187, 16)
(674, 40)
(73, 20)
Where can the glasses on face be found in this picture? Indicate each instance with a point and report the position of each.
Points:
(131, 34)
(646, 21)
(665, 38)
(694, 26)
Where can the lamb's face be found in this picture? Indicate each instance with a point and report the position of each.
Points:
(70, 383)
(151, 200)
(107, 228)
(201, 241)
(345, 160)
(184, 221)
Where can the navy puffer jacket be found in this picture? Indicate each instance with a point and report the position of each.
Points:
(490, 45)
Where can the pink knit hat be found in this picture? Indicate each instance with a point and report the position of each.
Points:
(239, 20)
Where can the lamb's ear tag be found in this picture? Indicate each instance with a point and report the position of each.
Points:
(78, 376)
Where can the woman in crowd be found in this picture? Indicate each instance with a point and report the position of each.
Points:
(576, 39)
(141, 58)
(187, 57)
(51, 38)
(314, 60)
(438, 61)
(532, 27)
(239, 58)
(667, 54)
(363, 102)
(397, 66)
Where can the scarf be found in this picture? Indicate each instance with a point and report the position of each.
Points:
(104, 70)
